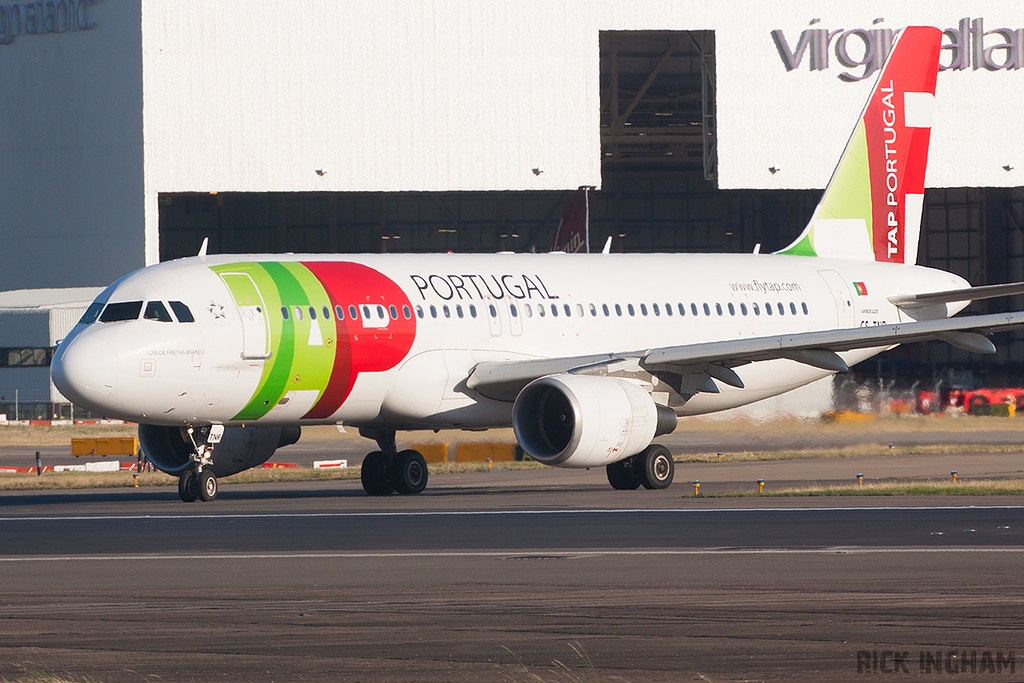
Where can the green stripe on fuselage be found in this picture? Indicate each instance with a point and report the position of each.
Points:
(294, 365)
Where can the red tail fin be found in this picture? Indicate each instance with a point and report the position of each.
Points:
(573, 234)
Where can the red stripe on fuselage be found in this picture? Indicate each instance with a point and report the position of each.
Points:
(359, 348)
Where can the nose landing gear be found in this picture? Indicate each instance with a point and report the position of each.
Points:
(199, 481)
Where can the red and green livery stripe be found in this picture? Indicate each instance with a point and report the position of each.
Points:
(330, 358)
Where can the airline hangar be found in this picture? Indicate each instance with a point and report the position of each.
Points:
(135, 130)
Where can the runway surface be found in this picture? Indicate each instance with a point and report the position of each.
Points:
(542, 575)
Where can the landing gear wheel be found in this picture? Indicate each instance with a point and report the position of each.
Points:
(207, 486)
(622, 475)
(188, 487)
(374, 475)
(408, 473)
(656, 467)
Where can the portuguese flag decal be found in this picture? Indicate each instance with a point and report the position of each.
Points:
(862, 289)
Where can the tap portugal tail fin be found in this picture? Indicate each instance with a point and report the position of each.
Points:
(872, 206)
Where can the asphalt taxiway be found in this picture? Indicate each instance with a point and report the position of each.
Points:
(513, 576)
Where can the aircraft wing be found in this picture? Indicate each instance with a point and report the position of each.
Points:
(690, 367)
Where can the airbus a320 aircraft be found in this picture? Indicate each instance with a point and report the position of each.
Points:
(590, 357)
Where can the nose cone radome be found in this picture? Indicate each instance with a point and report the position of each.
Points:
(84, 370)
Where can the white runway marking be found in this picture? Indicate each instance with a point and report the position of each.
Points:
(512, 554)
(490, 513)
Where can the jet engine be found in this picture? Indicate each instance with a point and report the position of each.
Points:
(240, 448)
(587, 421)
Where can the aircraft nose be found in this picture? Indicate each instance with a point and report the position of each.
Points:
(84, 370)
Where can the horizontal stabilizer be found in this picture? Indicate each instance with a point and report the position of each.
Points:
(949, 296)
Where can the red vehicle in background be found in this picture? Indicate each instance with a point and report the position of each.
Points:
(973, 401)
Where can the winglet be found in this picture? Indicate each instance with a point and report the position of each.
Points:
(202, 249)
(872, 206)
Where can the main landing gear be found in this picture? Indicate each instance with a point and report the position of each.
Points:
(389, 470)
(199, 481)
(652, 467)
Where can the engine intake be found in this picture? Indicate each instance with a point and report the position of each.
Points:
(586, 421)
(240, 448)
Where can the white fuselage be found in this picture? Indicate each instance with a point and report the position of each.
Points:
(422, 322)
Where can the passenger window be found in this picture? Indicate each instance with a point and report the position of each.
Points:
(554, 311)
(707, 310)
(632, 311)
(327, 313)
(604, 309)
(540, 310)
(529, 310)
(792, 308)
(732, 309)
(458, 311)
(366, 312)
(643, 309)
(743, 309)
(419, 311)
(119, 312)
(298, 312)
(91, 314)
(515, 312)
(693, 309)
(433, 311)
(447, 311)
(804, 306)
(593, 311)
(155, 310)
(568, 311)
(353, 312)
(284, 312)
(579, 310)
(380, 313)
(682, 309)
(339, 312)
(782, 311)
(472, 310)
(618, 310)
(757, 310)
(768, 309)
(493, 310)
(394, 312)
(668, 309)
(406, 313)
(718, 309)
(312, 313)
(657, 311)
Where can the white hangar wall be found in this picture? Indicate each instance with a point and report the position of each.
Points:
(199, 96)
(398, 96)
(71, 184)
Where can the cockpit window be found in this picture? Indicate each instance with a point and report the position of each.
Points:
(92, 313)
(155, 310)
(182, 311)
(124, 310)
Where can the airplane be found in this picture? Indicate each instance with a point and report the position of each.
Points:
(221, 359)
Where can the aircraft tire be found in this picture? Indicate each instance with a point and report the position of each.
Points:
(374, 475)
(622, 475)
(408, 473)
(656, 467)
(188, 487)
(207, 486)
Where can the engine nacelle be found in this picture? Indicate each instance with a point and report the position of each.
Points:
(240, 448)
(587, 421)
